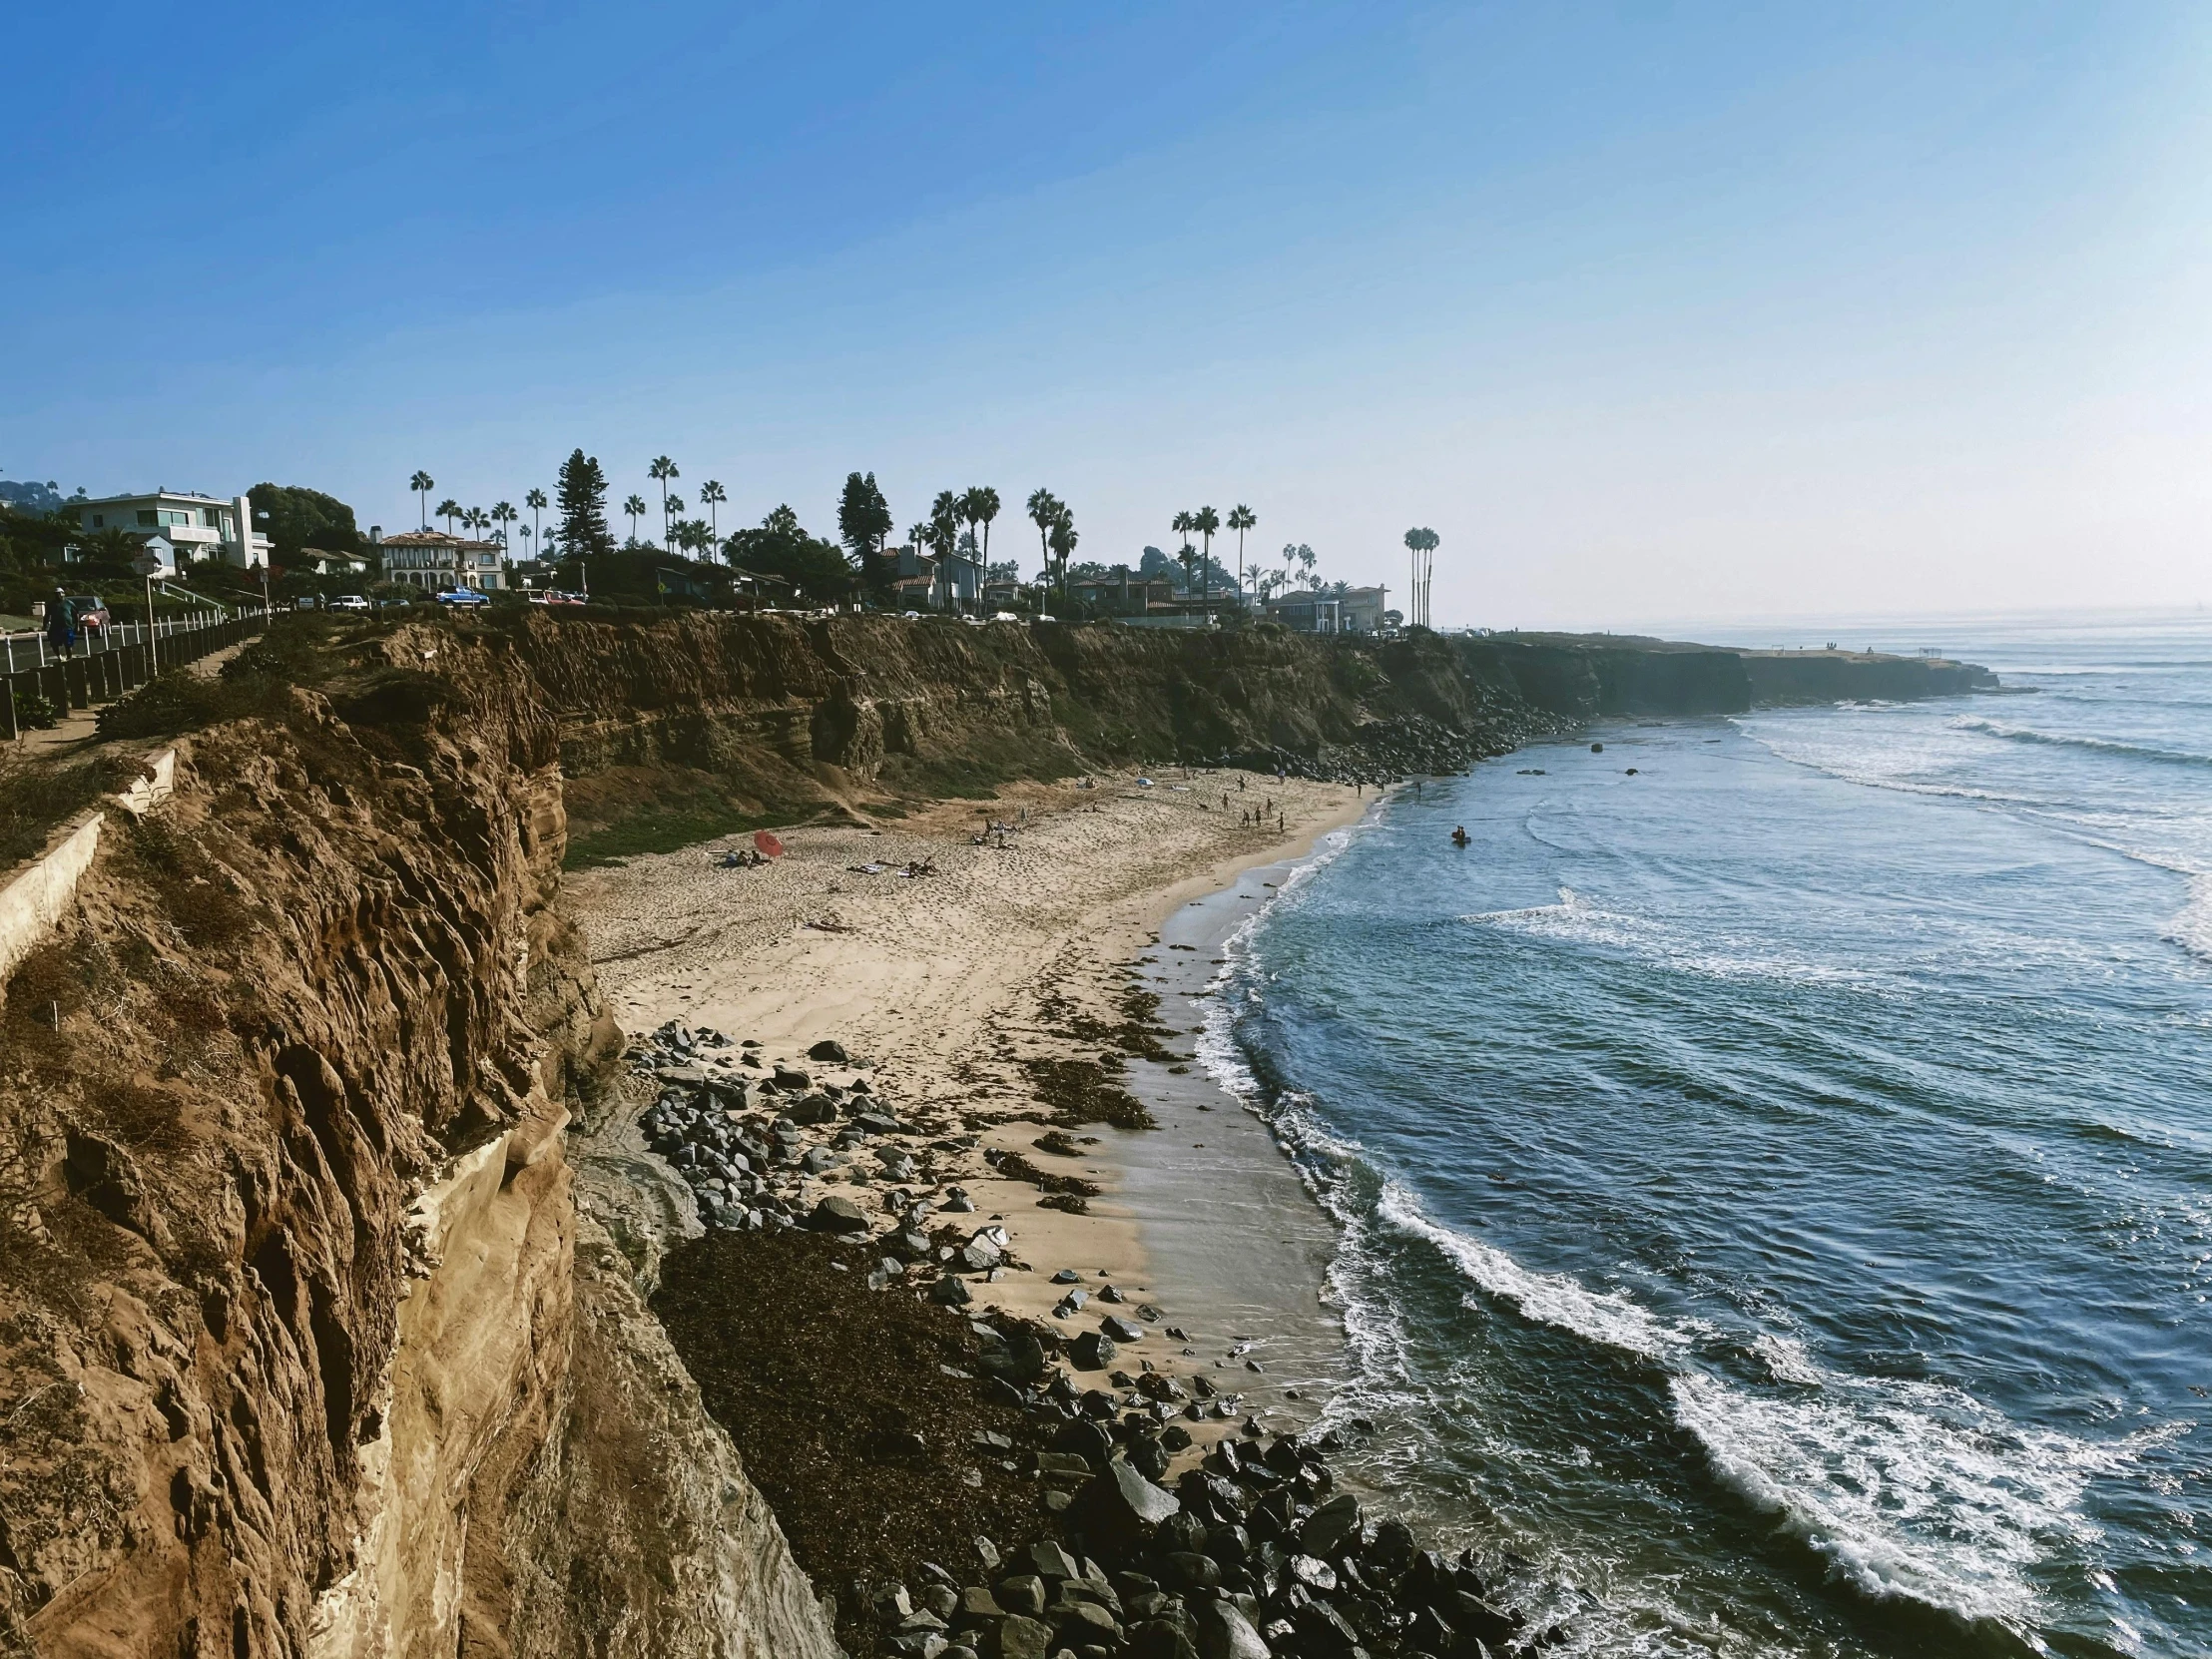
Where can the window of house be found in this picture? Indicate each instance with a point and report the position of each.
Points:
(149, 520)
(99, 521)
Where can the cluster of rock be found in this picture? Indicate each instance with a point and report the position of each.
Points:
(747, 1134)
(1379, 752)
(1251, 1553)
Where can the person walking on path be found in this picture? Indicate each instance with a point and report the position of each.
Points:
(61, 625)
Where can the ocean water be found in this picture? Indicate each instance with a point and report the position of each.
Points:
(1774, 1188)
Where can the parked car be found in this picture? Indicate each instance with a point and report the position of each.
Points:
(349, 601)
(91, 612)
(555, 596)
(463, 596)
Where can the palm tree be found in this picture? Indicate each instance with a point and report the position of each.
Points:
(449, 510)
(672, 511)
(1206, 521)
(1062, 540)
(664, 469)
(422, 484)
(710, 494)
(1187, 557)
(1241, 519)
(634, 507)
(1421, 543)
(945, 534)
(1043, 507)
(503, 515)
(981, 505)
(535, 501)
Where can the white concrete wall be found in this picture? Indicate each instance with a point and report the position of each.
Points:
(40, 894)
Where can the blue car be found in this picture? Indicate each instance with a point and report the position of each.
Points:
(463, 596)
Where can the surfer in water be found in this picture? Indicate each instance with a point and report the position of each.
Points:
(1460, 835)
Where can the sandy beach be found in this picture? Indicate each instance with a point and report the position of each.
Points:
(952, 989)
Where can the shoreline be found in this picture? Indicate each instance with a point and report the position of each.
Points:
(954, 988)
(1236, 1232)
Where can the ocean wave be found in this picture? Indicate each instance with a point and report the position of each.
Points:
(1908, 1489)
(1606, 1318)
(2061, 740)
(1574, 919)
(2191, 926)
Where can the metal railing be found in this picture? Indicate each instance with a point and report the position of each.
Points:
(29, 650)
(107, 663)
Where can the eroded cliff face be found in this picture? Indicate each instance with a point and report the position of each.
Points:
(783, 716)
(289, 1294)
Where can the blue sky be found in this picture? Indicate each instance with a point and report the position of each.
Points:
(1651, 311)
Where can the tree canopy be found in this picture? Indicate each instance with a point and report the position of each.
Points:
(781, 547)
(300, 517)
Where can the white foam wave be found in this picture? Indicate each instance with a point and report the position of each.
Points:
(1908, 1489)
(1575, 919)
(1787, 1359)
(2191, 926)
(2062, 739)
(1606, 1318)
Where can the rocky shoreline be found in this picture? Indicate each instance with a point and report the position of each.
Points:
(964, 1483)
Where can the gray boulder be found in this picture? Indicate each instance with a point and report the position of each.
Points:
(1223, 1633)
(1120, 1507)
(837, 1214)
(1018, 1637)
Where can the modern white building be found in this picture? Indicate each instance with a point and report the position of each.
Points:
(196, 526)
(437, 562)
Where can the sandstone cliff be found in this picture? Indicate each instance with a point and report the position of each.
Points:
(289, 1346)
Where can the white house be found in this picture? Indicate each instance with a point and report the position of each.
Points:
(196, 526)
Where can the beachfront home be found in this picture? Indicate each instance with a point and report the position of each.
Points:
(1332, 610)
(317, 561)
(1307, 611)
(196, 526)
(437, 562)
(925, 582)
(1365, 610)
(1122, 593)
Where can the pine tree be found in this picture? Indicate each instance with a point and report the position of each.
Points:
(863, 520)
(583, 497)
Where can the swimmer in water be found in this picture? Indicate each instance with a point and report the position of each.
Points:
(1460, 835)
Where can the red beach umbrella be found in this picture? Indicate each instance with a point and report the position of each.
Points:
(767, 844)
